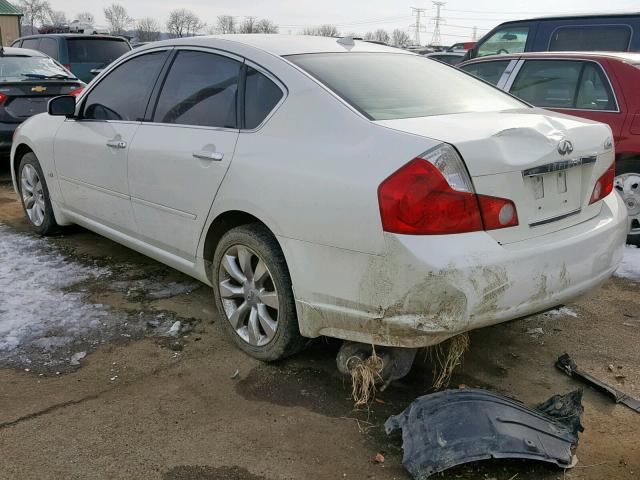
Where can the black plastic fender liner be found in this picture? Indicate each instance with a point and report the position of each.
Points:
(453, 427)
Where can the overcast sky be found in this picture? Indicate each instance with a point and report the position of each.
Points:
(357, 16)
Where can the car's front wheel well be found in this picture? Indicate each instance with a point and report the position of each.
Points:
(221, 225)
(21, 151)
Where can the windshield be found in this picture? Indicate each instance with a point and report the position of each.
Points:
(387, 86)
(23, 68)
(96, 50)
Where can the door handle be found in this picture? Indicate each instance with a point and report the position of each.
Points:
(215, 156)
(117, 144)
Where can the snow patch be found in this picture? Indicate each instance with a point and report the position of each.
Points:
(630, 266)
(562, 311)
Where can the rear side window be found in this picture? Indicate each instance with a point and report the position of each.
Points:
(488, 71)
(548, 83)
(594, 91)
(260, 97)
(50, 47)
(200, 89)
(121, 95)
(506, 40)
(614, 38)
(31, 43)
(96, 50)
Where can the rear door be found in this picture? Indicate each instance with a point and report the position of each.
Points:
(182, 152)
(95, 52)
(91, 151)
(575, 87)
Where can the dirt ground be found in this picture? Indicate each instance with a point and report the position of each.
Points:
(142, 405)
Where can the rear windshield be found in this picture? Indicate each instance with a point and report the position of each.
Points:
(387, 86)
(96, 50)
(25, 68)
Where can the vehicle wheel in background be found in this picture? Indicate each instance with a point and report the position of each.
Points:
(627, 182)
(35, 196)
(253, 294)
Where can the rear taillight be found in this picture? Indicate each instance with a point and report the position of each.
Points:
(3, 98)
(604, 185)
(433, 195)
(77, 91)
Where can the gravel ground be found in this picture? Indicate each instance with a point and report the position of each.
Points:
(94, 385)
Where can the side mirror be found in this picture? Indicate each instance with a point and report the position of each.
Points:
(64, 105)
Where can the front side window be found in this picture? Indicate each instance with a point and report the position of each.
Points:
(488, 71)
(200, 89)
(260, 97)
(548, 83)
(387, 86)
(612, 38)
(506, 40)
(123, 94)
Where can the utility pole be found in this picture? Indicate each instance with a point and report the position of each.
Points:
(436, 29)
(475, 33)
(417, 28)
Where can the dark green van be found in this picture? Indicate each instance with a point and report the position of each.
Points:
(78, 53)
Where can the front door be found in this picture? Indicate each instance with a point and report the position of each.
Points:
(179, 158)
(91, 151)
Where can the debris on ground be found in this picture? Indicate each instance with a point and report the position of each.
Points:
(561, 311)
(535, 332)
(76, 357)
(566, 364)
(453, 427)
(365, 373)
(378, 458)
(447, 356)
(235, 375)
(175, 329)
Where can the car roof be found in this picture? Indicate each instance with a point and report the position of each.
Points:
(631, 57)
(567, 16)
(280, 44)
(21, 52)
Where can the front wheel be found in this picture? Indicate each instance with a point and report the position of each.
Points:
(627, 182)
(35, 196)
(253, 293)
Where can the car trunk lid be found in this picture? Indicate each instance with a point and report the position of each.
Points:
(517, 155)
(27, 98)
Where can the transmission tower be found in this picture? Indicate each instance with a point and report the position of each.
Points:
(435, 40)
(417, 27)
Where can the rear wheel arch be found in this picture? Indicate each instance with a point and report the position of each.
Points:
(221, 225)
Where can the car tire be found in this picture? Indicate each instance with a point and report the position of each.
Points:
(253, 294)
(34, 195)
(627, 182)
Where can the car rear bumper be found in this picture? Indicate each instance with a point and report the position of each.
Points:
(429, 288)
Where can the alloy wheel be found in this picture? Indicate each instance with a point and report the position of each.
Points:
(628, 185)
(248, 295)
(32, 194)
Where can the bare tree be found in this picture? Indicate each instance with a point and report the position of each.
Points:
(184, 23)
(400, 38)
(326, 30)
(117, 18)
(148, 29)
(34, 11)
(226, 24)
(266, 26)
(86, 17)
(248, 25)
(379, 35)
(56, 17)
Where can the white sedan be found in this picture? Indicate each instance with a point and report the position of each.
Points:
(329, 187)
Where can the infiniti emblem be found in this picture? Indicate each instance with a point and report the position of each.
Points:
(565, 147)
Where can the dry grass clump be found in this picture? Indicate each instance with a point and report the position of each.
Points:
(446, 357)
(364, 376)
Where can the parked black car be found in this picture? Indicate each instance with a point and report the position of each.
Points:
(28, 80)
(614, 32)
(79, 53)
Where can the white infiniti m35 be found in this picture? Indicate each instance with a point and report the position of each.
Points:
(329, 187)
